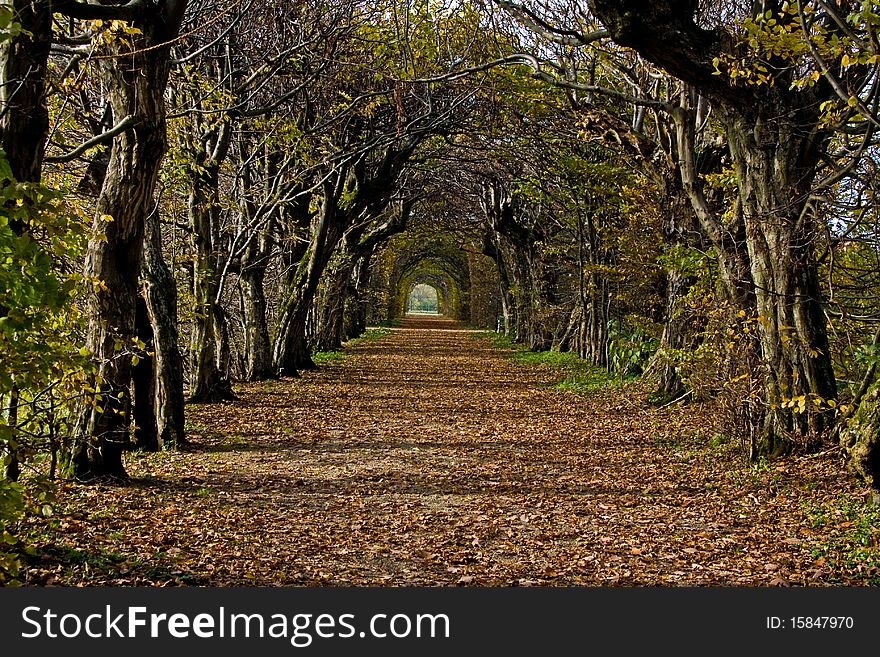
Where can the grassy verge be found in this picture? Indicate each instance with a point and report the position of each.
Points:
(330, 357)
(850, 538)
(327, 357)
(576, 375)
(370, 334)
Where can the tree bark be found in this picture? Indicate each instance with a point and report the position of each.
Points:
(24, 121)
(291, 350)
(355, 313)
(136, 76)
(340, 314)
(331, 304)
(208, 381)
(861, 438)
(679, 226)
(257, 344)
(370, 193)
(160, 294)
(492, 249)
(775, 161)
(146, 429)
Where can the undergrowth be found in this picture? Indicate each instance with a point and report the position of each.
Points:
(850, 539)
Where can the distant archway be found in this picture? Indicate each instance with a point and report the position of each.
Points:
(423, 299)
(439, 264)
(438, 261)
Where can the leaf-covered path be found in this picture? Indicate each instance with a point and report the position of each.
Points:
(428, 457)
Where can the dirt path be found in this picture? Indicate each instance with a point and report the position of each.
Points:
(427, 457)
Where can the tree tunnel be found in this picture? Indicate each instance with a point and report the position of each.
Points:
(437, 265)
(463, 281)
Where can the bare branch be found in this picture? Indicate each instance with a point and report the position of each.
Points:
(97, 140)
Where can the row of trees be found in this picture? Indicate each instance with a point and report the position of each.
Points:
(754, 129)
(282, 148)
(701, 174)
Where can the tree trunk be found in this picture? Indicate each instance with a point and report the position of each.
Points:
(490, 247)
(146, 430)
(330, 310)
(9, 453)
(24, 126)
(136, 84)
(775, 137)
(291, 351)
(208, 381)
(160, 293)
(258, 347)
(861, 438)
(355, 312)
(775, 161)
(679, 224)
(596, 321)
(24, 119)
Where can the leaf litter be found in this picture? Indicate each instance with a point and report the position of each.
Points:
(426, 457)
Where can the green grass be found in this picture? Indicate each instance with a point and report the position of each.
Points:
(576, 374)
(498, 340)
(327, 357)
(850, 539)
(370, 334)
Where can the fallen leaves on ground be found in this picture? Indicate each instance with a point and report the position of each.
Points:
(426, 457)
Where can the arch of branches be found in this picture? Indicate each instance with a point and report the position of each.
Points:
(438, 263)
(423, 298)
(452, 287)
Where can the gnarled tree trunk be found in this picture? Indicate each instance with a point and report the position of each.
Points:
(136, 75)
(291, 350)
(775, 153)
(775, 138)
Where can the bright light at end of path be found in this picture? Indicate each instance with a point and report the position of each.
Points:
(422, 300)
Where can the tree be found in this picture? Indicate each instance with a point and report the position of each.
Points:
(135, 71)
(776, 138)
(343, 280)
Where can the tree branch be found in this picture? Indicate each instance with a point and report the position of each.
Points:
(97, 140)
(664, 33)
(544, 29)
